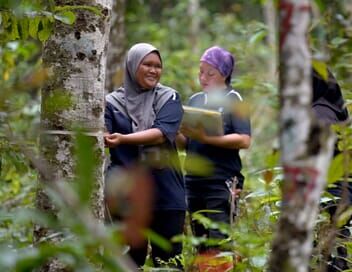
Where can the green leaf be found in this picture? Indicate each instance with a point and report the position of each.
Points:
(338, 41)
(5, 19)
(336, 169)
(33, 27)
(273, 159)
(321, 68)
(14, 28)
(321, 5)
(344, 217)
(46, 30)
(67, 17)
(158, 240)
(257, 37)
(24, 28)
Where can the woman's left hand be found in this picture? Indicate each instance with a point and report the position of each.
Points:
(196, 133)
(112, 140)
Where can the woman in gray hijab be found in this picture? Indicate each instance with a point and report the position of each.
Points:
(142, 119)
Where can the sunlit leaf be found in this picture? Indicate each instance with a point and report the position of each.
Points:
(14, 28)
(45, 32)
(321, 68)
(344, 217)
(336, 169)
(257, 37)
(33, 27)
(66, 16)
(24, 28)
(158, 240)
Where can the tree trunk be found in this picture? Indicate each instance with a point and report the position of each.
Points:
(348, 7)
(269, 12)
(75, 57)
(306, 146)
(116, 50)
(193, 7)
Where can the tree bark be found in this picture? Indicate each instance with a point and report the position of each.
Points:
(348, 6)
(193, 7)
(116, 49)
(269, 12)
(306, 146)
(73, 97)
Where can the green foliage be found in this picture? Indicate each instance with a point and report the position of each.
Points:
(24, 24)
(20, 22)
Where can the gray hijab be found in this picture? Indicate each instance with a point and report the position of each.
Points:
(131, 100)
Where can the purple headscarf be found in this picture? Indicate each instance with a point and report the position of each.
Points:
(220, 59)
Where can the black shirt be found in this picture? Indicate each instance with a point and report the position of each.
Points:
(170, 191)
(226, 162)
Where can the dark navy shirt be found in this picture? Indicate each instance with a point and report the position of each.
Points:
(226, 162)
(325, 113)
(169, 189)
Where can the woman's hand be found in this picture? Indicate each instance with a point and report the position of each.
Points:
(196, 133)
(113, 140)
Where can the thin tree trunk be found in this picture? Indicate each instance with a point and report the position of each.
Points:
(270, 20)
(306, 146)
(75, 57)
(116, 50)
(348, 6)
(193, 7)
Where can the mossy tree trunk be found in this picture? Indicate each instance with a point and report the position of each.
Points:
(306, 146)
(73, 97)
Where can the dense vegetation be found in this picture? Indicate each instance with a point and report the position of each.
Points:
(241, 27)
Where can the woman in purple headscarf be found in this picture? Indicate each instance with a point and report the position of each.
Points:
(213, 192)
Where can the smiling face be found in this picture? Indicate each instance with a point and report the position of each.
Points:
(149, 71)
(209, 77)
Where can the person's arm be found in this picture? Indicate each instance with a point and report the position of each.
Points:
(150, 136)
(165, 127)
(230, 141)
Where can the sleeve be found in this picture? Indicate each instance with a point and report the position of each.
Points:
(196, 100)
(240, 124)
(169, 118)
(325, 114)
(108, 116)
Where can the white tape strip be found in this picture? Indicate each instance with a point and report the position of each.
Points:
(66, 132)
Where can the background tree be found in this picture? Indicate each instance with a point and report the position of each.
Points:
(116, 49)
(241, 27)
